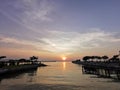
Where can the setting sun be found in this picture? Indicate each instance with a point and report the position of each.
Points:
(64, 58)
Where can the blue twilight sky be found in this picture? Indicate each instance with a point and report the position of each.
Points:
(52, 29)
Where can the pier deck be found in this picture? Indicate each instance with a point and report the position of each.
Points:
(102, 69)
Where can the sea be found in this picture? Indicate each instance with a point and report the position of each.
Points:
(57, 76)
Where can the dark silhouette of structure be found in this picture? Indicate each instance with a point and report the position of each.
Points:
(101, 66)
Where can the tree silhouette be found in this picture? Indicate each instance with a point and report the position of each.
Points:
(86, 58)
(1, 62)
(114, 59)
(93, 58)
(105, 57)
(33, 58)
(1, 57)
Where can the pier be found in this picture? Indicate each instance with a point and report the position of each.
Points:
(102, 66)
(102, 69)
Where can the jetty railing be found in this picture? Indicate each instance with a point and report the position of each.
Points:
(103, 69)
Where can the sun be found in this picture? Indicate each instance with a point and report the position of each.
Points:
(64, 58)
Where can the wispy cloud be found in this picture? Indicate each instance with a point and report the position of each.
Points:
(16, 43)
(36, 10)
(31, 14)
(66, 42)
(74, 41)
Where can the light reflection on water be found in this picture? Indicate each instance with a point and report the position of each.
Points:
(64, 65)
(56, 76)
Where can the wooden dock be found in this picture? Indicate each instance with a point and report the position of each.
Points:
(110, 70)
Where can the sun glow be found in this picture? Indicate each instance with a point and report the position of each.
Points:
(64, 58)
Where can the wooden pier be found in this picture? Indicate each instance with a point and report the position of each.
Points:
(110, 70)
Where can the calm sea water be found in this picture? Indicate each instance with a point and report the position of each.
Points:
(57, 76)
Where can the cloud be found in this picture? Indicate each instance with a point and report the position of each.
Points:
(15, 43)
(36, 14)
(10, 42)
(35, 10)
(31, 14)
(60, 41)
(20, 44)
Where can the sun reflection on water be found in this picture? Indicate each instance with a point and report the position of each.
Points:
(64, 65)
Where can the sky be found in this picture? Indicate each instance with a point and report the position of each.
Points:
(53, 29)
